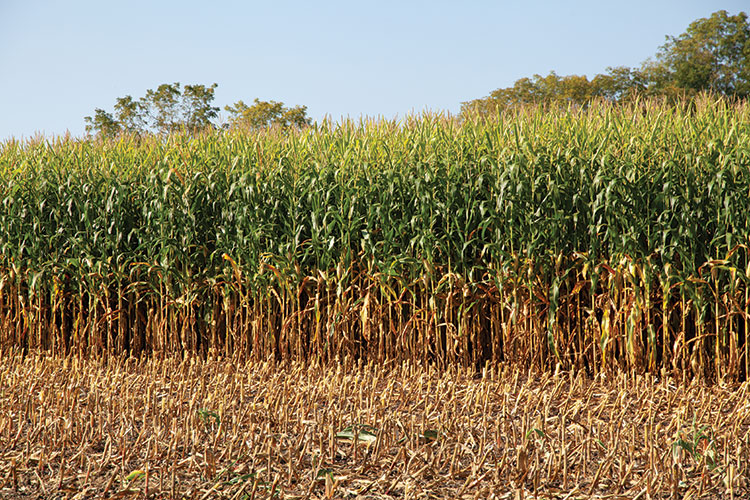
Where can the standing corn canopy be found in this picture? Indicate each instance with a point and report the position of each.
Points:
(598, 239)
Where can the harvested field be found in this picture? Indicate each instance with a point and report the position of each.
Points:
(127, 428)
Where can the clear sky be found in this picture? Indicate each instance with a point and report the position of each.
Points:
(59, 60)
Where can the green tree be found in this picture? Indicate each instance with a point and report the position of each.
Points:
(130, 114)
(163, 107)
(619, 84)
(573, 90)
(102, 124)
(712, 55)
(166, 109)
(263, 114)
(296, 117)
(196, 107)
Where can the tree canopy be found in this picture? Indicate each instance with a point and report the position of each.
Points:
(168, 108)
(171, 107)
(266, 114)
(713, 55)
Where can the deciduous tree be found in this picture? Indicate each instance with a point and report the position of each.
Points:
(266, 114)
(713, 55)
(196, 107)
(130, 114)
(102, 124)
(167, 109)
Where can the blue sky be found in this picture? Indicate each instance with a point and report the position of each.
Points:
(59, 60)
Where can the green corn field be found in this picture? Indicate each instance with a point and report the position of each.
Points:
(599, 239)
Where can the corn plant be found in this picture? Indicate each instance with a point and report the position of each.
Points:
(595, 239)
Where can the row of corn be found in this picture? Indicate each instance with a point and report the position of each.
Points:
(597, 239)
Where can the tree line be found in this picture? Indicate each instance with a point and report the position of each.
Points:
(712, 55)
(172, 108)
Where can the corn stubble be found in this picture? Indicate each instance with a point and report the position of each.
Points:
(196, 428)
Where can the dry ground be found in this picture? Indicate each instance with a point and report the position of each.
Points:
(215, 429)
